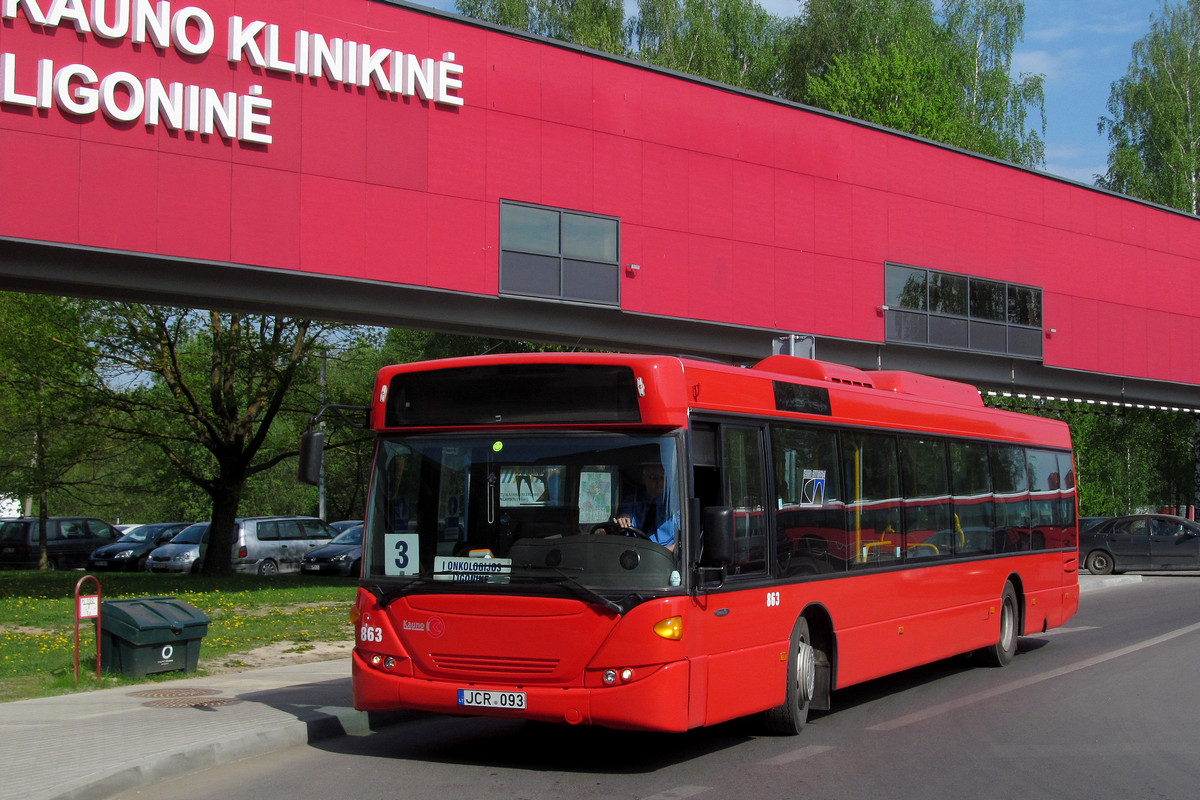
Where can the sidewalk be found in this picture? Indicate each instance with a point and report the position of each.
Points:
(94, 745)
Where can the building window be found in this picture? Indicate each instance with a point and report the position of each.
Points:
(559, 254)
(941, 309)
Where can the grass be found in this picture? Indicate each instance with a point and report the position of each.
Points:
(37, 623)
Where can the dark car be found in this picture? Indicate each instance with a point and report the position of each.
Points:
(69, 541)
(1140, 542)
(342, 556)
(345, 524)
(131, 550)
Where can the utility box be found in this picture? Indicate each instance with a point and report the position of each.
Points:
(150, 634)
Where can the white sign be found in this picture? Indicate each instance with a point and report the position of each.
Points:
(401, 554)
(89, 606)
(78, 90)
(472, 570)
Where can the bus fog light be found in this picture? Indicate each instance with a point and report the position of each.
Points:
(610, 676)
(376, 659)
(389, 662)
(626, 674)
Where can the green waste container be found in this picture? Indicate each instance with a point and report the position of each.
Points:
(150, 634)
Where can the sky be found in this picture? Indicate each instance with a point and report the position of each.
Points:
(1080, 46)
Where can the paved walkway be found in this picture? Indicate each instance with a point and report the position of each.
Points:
(95, 745)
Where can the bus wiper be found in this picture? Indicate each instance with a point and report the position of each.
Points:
(580, 588)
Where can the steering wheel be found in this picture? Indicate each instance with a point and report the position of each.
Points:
(613, 529)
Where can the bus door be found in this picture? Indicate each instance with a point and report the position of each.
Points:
(740, 639)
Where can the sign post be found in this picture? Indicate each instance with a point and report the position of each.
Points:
(87, 606)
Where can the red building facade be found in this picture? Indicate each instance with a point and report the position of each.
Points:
(382, 150)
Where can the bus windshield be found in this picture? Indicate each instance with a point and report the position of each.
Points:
(517, 512)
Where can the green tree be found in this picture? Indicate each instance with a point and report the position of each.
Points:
(1153, 125)
(903, 64)
(731, 41)
(47, 452)
(598, 24)
(207, 390)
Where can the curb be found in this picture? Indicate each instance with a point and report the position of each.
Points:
(328, 723)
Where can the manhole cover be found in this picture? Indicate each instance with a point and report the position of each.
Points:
(174, 692)
(192, 702)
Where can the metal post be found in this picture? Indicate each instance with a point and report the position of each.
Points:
(321, 482)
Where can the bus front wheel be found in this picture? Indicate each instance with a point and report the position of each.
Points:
(789, 718)
(1002, 652)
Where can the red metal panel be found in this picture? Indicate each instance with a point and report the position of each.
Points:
(868, 224)
(566, 87)
(568, 166)
(458, 150)
(513, 162)
(711, 278)
(456, 261)
(397, 143)
(31, 161)
(193, 207)
(832, 229)
(753, 203)
(332, 237)
(513, 70)
(617, 183)
(107, 172)
(831, 297)
(795, 303)
(657, 285)
(334, 134)
(795, 211)
(710, 195)
(664, 184)
(266, 221)
(618, 102)
(397, 225)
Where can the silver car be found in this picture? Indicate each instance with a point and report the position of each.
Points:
(184, 553)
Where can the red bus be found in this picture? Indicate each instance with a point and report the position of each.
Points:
(814, 526)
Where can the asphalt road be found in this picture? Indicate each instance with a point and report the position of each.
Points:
(1106, 707)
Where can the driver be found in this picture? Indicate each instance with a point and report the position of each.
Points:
(648, 510)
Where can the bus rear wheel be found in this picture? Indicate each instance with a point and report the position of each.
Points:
(1001, 653)
(789, 719)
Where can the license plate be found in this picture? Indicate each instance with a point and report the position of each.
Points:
(100, 563)
(309, 567)
(484, 698)
(8, 549)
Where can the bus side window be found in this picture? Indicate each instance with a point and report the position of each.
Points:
(873, 491)
(744, 489)
(810, 514)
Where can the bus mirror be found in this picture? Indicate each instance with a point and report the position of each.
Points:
(312, 450)
(718, 535)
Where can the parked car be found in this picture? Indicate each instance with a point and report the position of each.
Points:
(261, 546)
(184, 553)
(69, 541)
(131, 550)
(1087, 523)
(345, 525)
(342, 556)
(1140, 542)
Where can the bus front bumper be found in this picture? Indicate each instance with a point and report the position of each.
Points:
(656, 702)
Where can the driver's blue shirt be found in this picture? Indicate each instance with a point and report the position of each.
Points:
(655, 512)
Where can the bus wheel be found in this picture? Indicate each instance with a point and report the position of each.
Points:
(1099, 563)
(1002, 652)
(789, 718)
